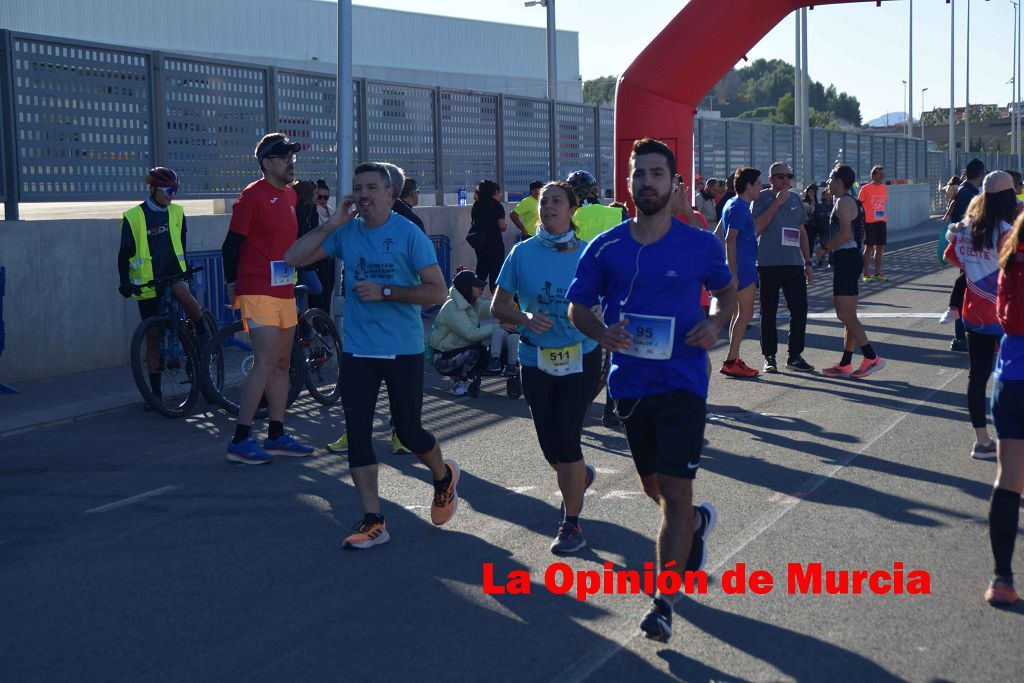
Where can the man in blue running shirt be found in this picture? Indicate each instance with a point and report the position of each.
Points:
(647, 274)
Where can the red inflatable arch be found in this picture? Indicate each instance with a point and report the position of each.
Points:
(657, 95)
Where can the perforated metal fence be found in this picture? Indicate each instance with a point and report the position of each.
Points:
(86, 121)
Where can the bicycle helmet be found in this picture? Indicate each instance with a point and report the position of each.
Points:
(584, 185)
(162, 176)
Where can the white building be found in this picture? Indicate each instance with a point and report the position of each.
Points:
(403, 47)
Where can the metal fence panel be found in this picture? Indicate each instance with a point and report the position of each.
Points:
(713, 159)
(575, 138)
(83, 118)
(607, 161)
(820, 159)
(763, 154)
(213, 116)
(901, 159)
(526, 124)
(400, 129)
(738, 147)
(469, 133)
(307, 112)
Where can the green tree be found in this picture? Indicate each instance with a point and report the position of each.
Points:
(600, 90)
(784, 110)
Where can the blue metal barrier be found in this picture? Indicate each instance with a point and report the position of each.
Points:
(443, 249)
(209, 288)
(4, 388)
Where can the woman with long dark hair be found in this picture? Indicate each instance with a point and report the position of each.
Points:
(1008, 416)
(485, 234)
(974, 247)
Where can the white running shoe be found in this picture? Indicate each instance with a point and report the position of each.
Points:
(949, 316)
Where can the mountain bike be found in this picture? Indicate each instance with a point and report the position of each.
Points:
(168, 344)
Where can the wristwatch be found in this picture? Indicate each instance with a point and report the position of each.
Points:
(386, 292)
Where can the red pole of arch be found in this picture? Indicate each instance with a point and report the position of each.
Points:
(658, 93)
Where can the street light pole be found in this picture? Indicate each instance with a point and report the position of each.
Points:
(552, 48)
(905, 107)
(967, 89)
(952, 84)
(910, 76)
(344, 98)
(922, 111)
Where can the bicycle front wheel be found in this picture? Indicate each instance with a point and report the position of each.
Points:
(165, 366)
(321, 346)
(215, 369)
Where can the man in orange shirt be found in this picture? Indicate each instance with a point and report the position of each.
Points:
(873, 196)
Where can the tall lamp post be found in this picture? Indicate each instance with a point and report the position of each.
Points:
(952, 84)
(922, 111)
(905, 107)
(552, 50)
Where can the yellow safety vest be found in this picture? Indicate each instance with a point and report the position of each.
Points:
(594, 219)
(140, 267)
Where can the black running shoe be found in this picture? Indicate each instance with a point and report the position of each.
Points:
(657, 625)
(698, 547)
(770, 366)
(569, 539)
(798, 363)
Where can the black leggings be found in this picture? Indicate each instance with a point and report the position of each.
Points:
(982, 351)
(559, 406)
(956, 297)
(488, 263)
(403, 376)
(792, 280)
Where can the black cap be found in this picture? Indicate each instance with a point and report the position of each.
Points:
(276, 145)
(466, 279)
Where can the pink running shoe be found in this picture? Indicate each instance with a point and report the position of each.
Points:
(868, 367)
(838, 370)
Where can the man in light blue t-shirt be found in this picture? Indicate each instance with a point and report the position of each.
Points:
(391, 272)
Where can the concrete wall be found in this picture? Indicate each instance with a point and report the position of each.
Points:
(63, 314)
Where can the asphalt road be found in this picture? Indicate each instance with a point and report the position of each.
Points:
(131, 550)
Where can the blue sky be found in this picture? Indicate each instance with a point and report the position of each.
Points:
(870, 61)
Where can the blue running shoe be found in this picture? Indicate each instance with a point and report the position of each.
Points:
(287, 445)
(248, 453)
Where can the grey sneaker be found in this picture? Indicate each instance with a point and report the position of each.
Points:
(984, 451)
(698, 547)
(798, 363)
(569, 539)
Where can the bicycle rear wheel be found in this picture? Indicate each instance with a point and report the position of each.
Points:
(214, 369)
(159, 346)
(227, 361)
(321, 346)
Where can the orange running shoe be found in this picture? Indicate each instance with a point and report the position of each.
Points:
(446, 502)
(1000, 592)
(838, 370)
(366, 536)
(737, 368)
(868, 367)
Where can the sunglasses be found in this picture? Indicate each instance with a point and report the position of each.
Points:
(324, 197)
(169, 191)
(783, 176)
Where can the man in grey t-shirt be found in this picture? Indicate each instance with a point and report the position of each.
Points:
(783, 262)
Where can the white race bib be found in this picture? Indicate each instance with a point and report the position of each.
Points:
(791, 237)
(567, 360)
(879, 214)
(653, 335)
(281, 274)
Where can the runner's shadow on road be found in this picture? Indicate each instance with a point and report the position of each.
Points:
(798, 656)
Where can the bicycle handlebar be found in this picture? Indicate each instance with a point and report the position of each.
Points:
(185, 275)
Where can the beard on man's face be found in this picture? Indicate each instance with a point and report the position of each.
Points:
(649, 202)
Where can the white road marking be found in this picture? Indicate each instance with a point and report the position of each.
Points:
(591, 661)
(865, 315)
(133, 499)
(521, 489)
(622, 494)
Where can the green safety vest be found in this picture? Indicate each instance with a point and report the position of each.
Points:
(594, 219)
(140, 267)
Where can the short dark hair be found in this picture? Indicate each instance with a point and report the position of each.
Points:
(321, 184)
(536, 185)
(409, 187)
(876, 169)
(975, 169)
(374, 167)
(652, 146)
(1015, 175)
(744, 176)
(845, 175)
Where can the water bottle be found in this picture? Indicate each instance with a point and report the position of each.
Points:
(462, 196)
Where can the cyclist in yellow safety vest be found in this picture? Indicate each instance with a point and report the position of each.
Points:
(592, 216)
(152, 246)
